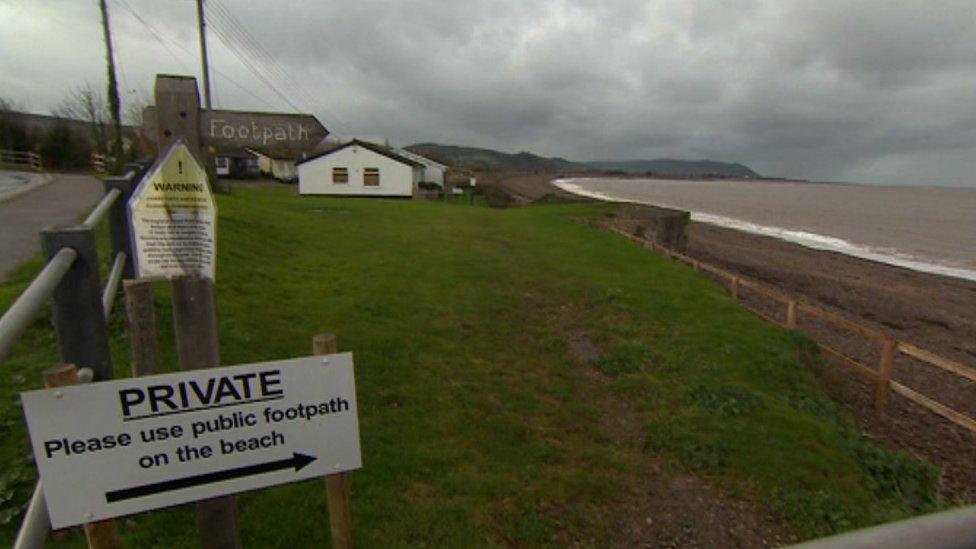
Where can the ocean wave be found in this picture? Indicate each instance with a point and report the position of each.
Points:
(807, 239)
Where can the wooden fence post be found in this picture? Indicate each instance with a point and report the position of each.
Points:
(101, 534)
(884, 373)
(791, 314)
(197, 347)
(337, 485)
(194, 315)
(734, 289)
(140, 309)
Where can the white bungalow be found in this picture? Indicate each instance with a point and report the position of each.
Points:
(359, 168)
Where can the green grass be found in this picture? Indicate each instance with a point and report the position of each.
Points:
(478, 425)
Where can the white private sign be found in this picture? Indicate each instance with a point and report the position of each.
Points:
(172, 218)
(119, 447)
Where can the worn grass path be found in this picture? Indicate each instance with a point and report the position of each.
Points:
(481, 425)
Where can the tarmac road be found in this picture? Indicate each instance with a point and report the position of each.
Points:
(65, 200)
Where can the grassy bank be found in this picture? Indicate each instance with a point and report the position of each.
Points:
(476, 335)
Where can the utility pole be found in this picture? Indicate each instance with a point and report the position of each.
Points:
(203, 54)
(114, 104)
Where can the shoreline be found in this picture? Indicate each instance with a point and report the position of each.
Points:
(807, 239)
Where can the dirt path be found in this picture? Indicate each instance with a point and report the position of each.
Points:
(22, 218)
(661, 507)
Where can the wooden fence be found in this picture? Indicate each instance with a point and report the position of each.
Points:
(21, 159)
(889, 347)
(98, 162)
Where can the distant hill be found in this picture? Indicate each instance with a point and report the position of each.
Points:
(680, 168)
(472, 158)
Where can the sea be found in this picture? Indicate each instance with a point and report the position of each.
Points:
(928, 229)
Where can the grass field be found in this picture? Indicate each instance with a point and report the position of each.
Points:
(480, 424)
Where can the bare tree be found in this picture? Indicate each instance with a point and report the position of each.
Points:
(87, 104)
(134, 108)
(138, 143)
(9, 105)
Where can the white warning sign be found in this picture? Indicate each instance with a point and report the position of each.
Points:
(173, 217)
(125, 446)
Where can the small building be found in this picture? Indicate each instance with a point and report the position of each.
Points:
(278, 164)
(236, 162)
(360, 168)
(433, 171)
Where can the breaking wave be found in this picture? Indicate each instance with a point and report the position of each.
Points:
(807, 239)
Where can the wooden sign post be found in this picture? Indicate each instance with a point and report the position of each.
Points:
(180, 129)
(194, 314)
(337, 484)
(277, 422)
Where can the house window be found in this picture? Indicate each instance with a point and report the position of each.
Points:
(371, 177)
(340, 175)
(221, 161)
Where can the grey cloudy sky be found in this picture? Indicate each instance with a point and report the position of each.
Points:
(880, 91)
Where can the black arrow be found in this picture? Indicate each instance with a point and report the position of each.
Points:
(298, 461)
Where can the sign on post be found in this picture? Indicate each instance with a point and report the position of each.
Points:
(173, 218)
(266, 130)
(114, 448)
(260, 129)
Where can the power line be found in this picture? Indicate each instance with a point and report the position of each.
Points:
(234, 35)
(257, 73)
(154, 33)
(234, 29)
(162, 39)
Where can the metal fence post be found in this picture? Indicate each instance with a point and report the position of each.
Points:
(79, 320)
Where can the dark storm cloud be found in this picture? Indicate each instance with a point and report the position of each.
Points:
(870, 90)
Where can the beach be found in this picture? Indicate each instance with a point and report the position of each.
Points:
(930, 229)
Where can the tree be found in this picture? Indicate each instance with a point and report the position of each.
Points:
(13, 132)
(86, 104)
(134, 109)
(139, 145)
(61, 148)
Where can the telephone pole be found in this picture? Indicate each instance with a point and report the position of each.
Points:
(203, 54)
(114, 104)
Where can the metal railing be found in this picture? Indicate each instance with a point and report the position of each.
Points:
(954, 529)
(21, 159)
(80, 305)
(102, 208)
(22, 312)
